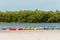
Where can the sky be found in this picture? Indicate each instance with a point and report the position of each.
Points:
(15, 5)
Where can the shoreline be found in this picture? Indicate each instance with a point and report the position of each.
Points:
(16, 23)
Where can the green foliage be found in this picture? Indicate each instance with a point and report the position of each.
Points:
(30, 16)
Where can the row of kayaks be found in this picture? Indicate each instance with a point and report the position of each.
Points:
(14, 28)
(31, 28)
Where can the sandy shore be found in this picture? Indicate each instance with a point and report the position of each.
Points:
(30, 35)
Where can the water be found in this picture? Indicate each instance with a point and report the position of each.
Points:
(30, 25)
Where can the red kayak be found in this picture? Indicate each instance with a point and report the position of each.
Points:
(20, 28)
(12, 28)
(4, 28)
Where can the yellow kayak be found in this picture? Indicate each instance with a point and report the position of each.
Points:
(28, 28)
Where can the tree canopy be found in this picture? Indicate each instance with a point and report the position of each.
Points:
(30, 16)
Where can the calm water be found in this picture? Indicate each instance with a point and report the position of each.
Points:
(30, 25)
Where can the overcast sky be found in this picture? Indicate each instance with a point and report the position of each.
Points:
(13, 5)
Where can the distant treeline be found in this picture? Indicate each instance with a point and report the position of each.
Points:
(30, 16)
